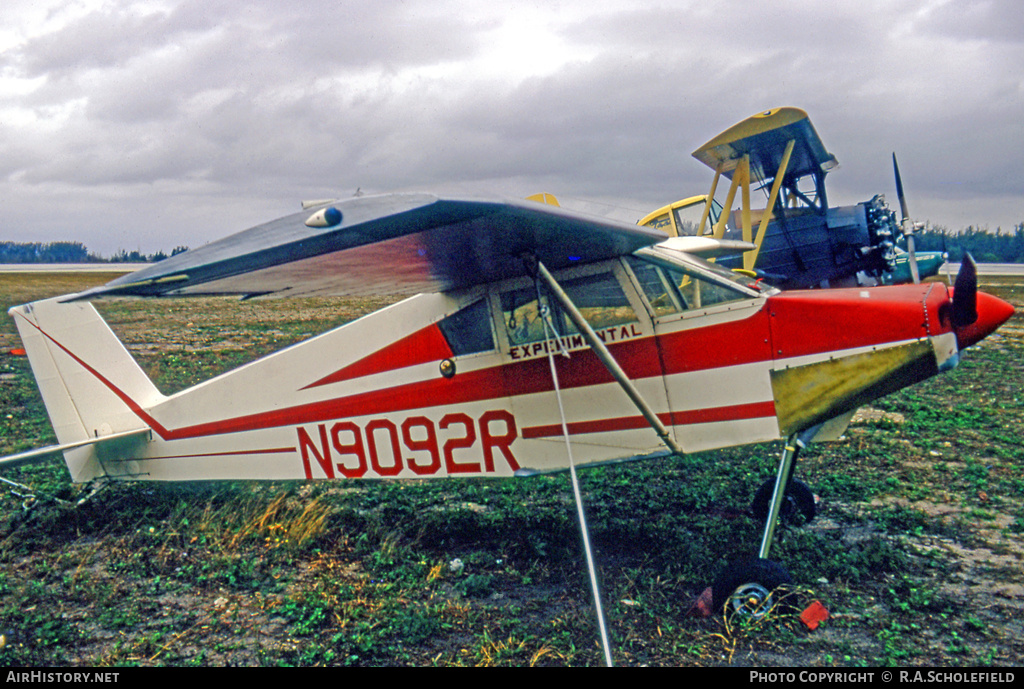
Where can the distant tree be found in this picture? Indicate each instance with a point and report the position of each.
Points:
(38, 252)
(983, 245)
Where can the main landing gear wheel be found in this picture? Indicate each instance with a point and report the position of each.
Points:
(752, 588)
(798, 506)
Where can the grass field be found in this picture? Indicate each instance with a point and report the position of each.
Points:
(916, 551)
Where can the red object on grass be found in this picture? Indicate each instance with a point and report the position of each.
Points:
(813, 615)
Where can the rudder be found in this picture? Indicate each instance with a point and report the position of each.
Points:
(90, 384)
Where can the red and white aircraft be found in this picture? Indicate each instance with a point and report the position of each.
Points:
(654, 352)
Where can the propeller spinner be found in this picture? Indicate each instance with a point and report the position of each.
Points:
(975, 315)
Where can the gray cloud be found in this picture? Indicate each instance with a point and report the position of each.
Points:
(129, 121)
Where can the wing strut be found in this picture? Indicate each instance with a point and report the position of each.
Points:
(607, 359)
(585, 532)
(598, 347)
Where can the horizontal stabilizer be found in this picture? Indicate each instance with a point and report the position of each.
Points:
(50, 451)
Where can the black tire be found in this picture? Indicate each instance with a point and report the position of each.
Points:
(752, 588)
(798, 505)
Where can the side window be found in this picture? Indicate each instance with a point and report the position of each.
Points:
(670, 291)
(522, 317)
(662, 294)
(468, 330)
(699, 294)
(598, 297)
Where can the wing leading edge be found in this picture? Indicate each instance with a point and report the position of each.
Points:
(389, 244)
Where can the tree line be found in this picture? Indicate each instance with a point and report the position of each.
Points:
(72, 252)
(986, 247)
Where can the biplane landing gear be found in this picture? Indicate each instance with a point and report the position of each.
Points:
(798, 505)
(751, 588)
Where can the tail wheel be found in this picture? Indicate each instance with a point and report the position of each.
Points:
(752, 589)
(798, 505)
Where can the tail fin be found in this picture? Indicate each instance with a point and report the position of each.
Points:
(91, 385)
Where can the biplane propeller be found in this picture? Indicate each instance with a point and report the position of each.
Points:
(532, 335)
(906, 224)
(799, 241)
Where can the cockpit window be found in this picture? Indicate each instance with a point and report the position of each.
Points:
(661, 292)
(599, 298)
(699, 294)
(468, 330)
(673, 289)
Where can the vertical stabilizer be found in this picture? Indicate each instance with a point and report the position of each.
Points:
(91, 385)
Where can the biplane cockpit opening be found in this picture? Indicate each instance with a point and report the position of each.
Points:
(685, 217)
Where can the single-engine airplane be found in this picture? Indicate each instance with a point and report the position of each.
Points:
(519, 309)
(801, 241)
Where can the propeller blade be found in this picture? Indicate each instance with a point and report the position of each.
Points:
(904, 213)
(965, 294)
(908, 224)
(915, 274)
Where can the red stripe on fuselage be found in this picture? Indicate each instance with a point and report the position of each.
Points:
(735, 412)
(231, 453)
(638, 358)
(420, 347)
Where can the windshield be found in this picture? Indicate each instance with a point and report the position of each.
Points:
(687, 264)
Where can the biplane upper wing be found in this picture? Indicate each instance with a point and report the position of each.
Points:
(764, 137)
(388, 244)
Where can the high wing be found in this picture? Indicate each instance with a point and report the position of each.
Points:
(390, 244)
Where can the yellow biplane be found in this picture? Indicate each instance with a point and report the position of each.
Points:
(798, 240)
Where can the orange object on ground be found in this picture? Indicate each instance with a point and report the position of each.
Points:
(813, 615)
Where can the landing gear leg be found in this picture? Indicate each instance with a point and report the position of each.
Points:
(746, 587)
(789, 455)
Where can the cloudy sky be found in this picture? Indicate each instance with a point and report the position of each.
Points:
(152, 124)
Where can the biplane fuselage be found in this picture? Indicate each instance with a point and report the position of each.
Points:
(459, 383)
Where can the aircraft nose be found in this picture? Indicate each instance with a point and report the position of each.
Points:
(992, 313)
